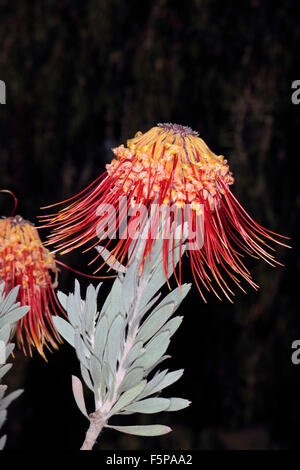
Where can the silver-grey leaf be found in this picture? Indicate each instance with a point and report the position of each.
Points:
(110, 260)
(65, 329)
(114, 341)
(3, 415)
(114, 303)
(101, 336)
(154, 350)
(63, 298)
(4, 369)
(9, 300)
(90, 308)
(5, 402)
(149, 405)
(178, 404)
(78, 394)
(129, 286)
(132, 378)
(2, 442)
(167, 380)
(154, 322)
(126, 398)
(86, 376)
(96, 372)
(136, 351)
(172, 325)
(147, 430)
(13, 315)
(176, 296)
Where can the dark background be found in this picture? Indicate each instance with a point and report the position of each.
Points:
(82, 77)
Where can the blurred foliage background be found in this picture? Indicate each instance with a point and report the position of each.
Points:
(83, 77)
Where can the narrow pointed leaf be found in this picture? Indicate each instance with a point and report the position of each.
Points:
(136, 351)
(132, 378)
(150, 405)
(178, 404)
(167, 380)
(100, 336)
(154, 350)
(4, 369)
(2, 442)
(5, 402)
(110, 260)
(14, 315)
(127, 398)
(147, 430)
(65, 329)
(3, 415)
(78, 394)
(154, 322)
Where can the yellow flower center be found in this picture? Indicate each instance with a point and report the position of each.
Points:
(171, 156)
(22, 255)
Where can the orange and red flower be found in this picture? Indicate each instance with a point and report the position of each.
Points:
(24, 261)
(171, 166)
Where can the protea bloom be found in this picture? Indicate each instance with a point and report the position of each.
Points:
(24, 261)
(171, 166)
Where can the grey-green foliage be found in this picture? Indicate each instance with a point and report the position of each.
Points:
(119, 347)
(10, 313)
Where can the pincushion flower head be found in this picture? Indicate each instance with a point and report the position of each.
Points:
(24, 261)
(170, 166)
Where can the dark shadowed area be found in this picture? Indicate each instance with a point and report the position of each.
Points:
(83, 77)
